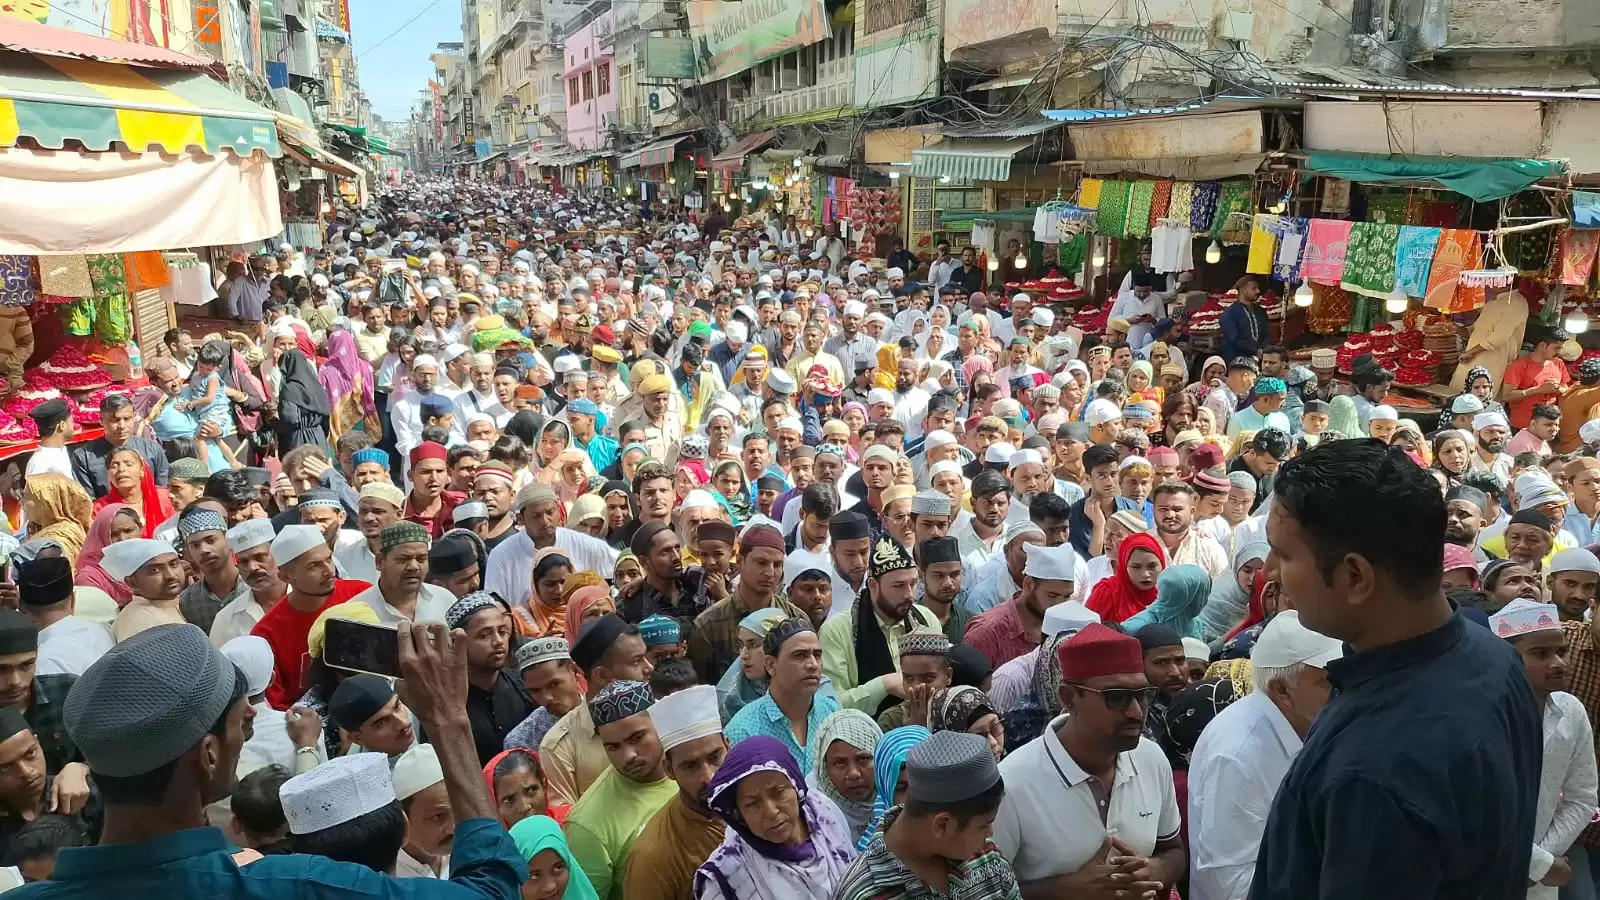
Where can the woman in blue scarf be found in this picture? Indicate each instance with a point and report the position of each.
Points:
(886, 764)
(552, 872)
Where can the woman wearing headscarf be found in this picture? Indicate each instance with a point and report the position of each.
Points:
(732, 492)
(1343, 417)
(303, 407)
(1452, 453)
(784, 841)
(1229, 601)
(132, 483)
(517, 787)
(114, 522)
(887, 761)
(1027, 719)
(842, 751)
(552, 872)
(347, 376)
(964, 708)
(1132, 585)
(585, 604)
(746, 683)
(1181, 593)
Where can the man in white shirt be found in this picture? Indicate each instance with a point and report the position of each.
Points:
(250, 542)
(406, 413)
(943, 264)
(271, 742)
(1243, 754)
(1064, 824)
(378, 507)
(430, 825)
(1174, 514)
(401, 591)
(480, 396)
(67, 644)
(510, 572)
(55, 429)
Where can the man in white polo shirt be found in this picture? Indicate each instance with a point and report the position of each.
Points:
(1243, 754)
(1098, 815)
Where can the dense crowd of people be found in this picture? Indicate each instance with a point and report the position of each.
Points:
(724, 564)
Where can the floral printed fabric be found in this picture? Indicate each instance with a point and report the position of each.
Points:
(1369, 259)
(1203, 206)
(1181, 208)
(1414, 257)
(1457, 249)
(1140, 199)
(1331, 309)
(1160, 202)
(65, 276)
(1114, 209)
(19, 283)
(1326, 242)
(1234, 198)
(1089, 193)
(1577, 255)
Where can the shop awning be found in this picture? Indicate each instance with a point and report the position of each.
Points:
(56, 100)
(24, 36)
(659, 153)
(733, 156)
(968, 160)
(315, 156)
(1479, 178)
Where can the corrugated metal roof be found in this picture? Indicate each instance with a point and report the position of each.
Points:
(1024, 128)
(31, 37)
(1100, 115)
(1430, 90)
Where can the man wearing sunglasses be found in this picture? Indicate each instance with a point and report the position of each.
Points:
(1100, 815)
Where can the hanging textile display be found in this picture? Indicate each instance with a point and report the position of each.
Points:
(19, 284)
(1171, 247)
(1089, 193)
(1366, 312)
(1369, 259)
(1160, 202)
(1291, 232)
(1263, 245)
(1070, 252)
(1388, 208)
(1180, 209)
(1234, 198)
(1140, 197)
(1578, 247)
(1459, 249)
(146, 270)
(1414, 257)
(65, 276)
(1203, 208)
(1114, 209)
(1326, 242)
(1331, 308)
(1527, 250)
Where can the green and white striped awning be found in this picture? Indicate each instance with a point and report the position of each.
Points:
(657, 154)
(968, 160)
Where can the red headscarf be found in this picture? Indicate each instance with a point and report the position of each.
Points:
(1116, 598)
(157, 505)
(1258, 609)
(89, 571)
(559, 813)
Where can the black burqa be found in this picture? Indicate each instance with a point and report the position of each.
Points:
(302, 405)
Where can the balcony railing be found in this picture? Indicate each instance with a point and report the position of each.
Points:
(833, 90)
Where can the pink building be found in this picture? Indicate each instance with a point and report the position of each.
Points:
(591, 82)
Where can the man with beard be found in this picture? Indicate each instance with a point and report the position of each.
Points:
(1492, 432)
(202, 540)
(1504, 581)
(401, 591)
(496, 699)
(662, 428)
(603, 824)
(1166, 668)
(250, 542)
(405, 414)
(850, 346)
(939, 562)
(668, 587)
(1029, 479)
(367, 710)
(861, 646)
(910, 401)
(551, 678)
(430, 825)
(1528, 541)
(156, 574)
(930, 516)
(369, 465)
(1063, 831)
(573, 757)
(1572, 582)
(980, 535)
(481, 397)
(1014, 627)
(682, 834)
(793, 709)
(322, 508)
(429, 504)
(1174, 513)
(377, 508)
(714, 638)
(510, 572)
(306, 564)
(849, 547)
(492, 486)
(453, 564)
(40, 699)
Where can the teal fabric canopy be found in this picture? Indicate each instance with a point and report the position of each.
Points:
(1481, 178)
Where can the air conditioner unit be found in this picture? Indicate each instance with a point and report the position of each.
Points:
(608, 120)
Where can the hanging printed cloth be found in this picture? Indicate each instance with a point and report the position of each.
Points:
(106, 274)
(1367, 312)
(1331, 309)
(19, 285)
(1578, 248)
(1089, 193)
(65, 276)
(1182, 205)
(146, 270)
(1457, 249)
(1413, 257)
(1291, 231)
(1369, 259)
(1139, 205)
(1160, 202)
(112, 319)
(1114, 209)
(1203, 208)
(1069, 258)
(1235, 198)
(1326, 242)
(1263, 245)
(1388, 208)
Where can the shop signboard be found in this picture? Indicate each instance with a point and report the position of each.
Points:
(731, 37)
(668, 57)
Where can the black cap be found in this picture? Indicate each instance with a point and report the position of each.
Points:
(450, 555)
(1244, 362)
(939, 550)
(49, 414)
(1073, 431)
(358, 699)
(18, 632)
(848, 526)
(595, 639)
(1317, 406)
(44, 580)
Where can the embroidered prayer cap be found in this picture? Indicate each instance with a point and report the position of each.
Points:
(337, 791)
(1067, 616)
(541, 650)
(402, 532)
(188, 469)
(879, 451)
(383, 490)
(148, 700)
(1207, 480)
(496, 469)
(686, 715)
(780, 631)
(716, 530)
(417, 769)
(1098, 650)
(535, 492)
(659, 630)
(924, 643)
(930, 503)
(320, 498)
(249, 534)
(999, 452)
(897, 492)
(1018, 529)
(472, 604)
(938, 438)
(127, 557)
(889, 556)
(949, 767)
(472, 509)
(619, 700)
(1517, 618)
(1466, 405)
(1050, 563)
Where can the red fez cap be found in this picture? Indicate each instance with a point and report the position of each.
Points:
(603, 334)
(1098, 650)
(429, 450)
(761, 536)
(1206, 456)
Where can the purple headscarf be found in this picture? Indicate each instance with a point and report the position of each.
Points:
(749, 756)
(338, 375)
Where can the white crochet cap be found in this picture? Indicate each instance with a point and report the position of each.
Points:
(417, 769)
(253, 655)
(337, 791)
(249, 534)
(126, 557)
(686, 715)
(293, 541)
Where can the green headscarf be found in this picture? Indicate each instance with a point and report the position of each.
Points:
(1344, 418)
(538, 833)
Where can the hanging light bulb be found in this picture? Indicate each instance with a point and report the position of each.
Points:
(1577, 322)
(894, 176)
(1021, 260)
(944, 179)
(1214, 253)
(994, 263)
(1397, 302)
(672, 179)
(1302, 295)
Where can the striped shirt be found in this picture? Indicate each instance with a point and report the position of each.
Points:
(878, 874)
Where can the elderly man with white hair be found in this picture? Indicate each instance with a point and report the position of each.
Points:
(1244, 753)
(1493, 432)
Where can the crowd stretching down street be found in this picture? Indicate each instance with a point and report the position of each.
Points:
(542, 545)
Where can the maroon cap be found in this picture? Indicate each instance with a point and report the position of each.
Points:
(1206, 456)
(1098, 650)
